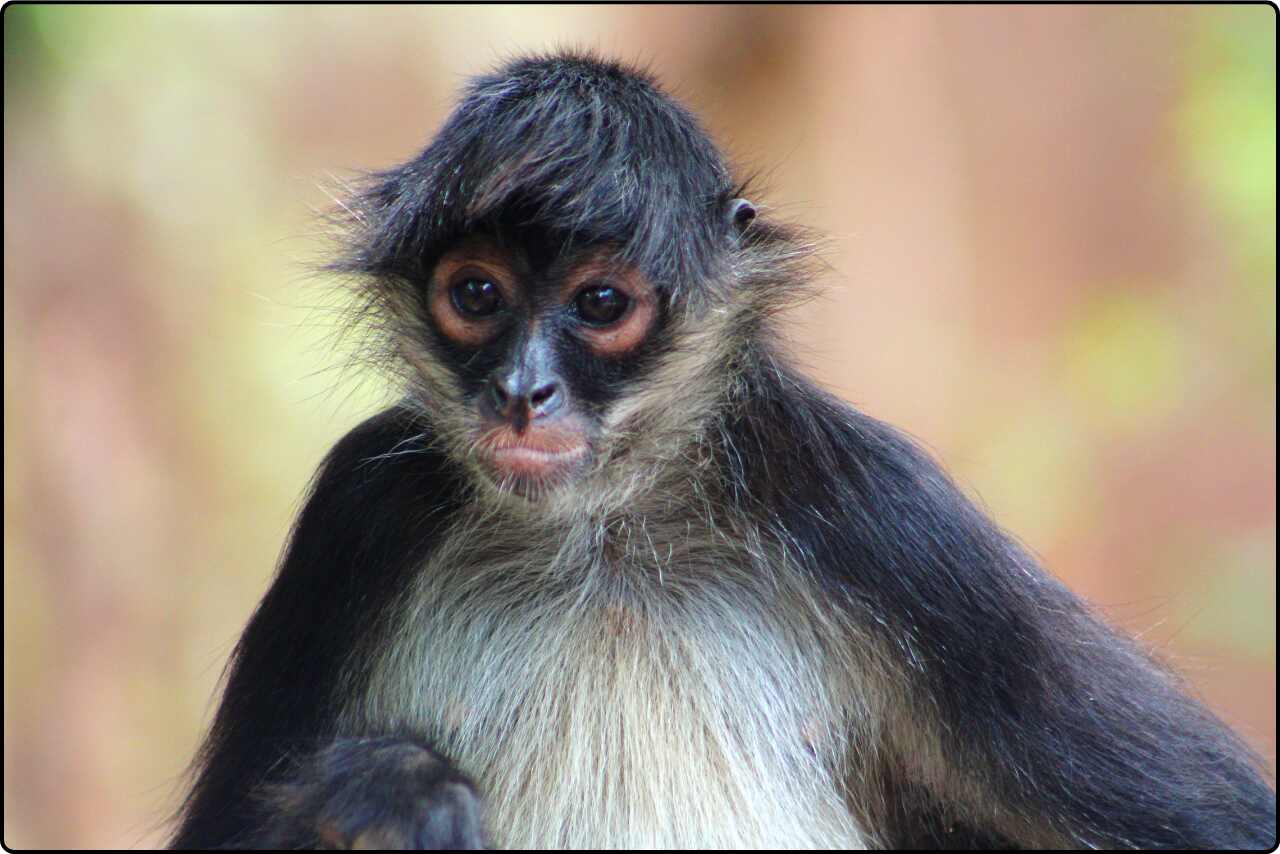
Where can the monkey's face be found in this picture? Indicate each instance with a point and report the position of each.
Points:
(540, 345)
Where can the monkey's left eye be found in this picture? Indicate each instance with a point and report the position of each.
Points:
(476, 297)
(601, 305)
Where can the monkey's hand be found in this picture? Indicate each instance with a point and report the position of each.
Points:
(379, 793)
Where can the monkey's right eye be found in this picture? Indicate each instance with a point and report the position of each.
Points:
(476, 297)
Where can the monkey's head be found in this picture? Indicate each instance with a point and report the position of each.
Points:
(566, 273)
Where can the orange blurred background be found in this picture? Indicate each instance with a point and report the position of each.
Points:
(1052, 259)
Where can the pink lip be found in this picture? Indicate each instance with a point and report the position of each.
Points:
(529, 462)
(532, 456)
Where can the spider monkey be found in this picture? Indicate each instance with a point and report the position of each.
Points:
(612, 573)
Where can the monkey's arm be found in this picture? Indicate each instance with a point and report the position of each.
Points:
(272, 757)
(1019, 715)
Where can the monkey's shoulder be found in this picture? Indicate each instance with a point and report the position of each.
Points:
(867, 508)
(389, 456)
(383, 482)
(797, 450)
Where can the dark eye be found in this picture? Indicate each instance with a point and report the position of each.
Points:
(476, 297)
(601, 304)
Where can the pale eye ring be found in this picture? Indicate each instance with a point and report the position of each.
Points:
(601, 305)
(476, 296)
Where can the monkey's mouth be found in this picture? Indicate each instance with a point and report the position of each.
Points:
(528, 462)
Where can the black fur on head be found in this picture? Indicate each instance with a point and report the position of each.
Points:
(589, 149)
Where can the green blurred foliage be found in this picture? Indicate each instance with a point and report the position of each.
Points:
(1236, 605)
(1228, 130)
(1126, 360)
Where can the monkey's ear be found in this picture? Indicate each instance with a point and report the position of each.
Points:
(741, 212)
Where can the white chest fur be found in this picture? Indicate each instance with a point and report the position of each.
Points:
(679, 694)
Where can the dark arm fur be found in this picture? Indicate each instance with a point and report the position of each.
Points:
(366, 525)
(1048, 723)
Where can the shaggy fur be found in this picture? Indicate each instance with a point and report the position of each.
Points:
(760, 619)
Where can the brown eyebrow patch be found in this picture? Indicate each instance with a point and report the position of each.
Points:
(633, 327)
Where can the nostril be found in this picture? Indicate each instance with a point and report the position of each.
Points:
(499, 395)
(542, 396)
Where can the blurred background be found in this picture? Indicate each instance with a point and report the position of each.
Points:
(1052, 259)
